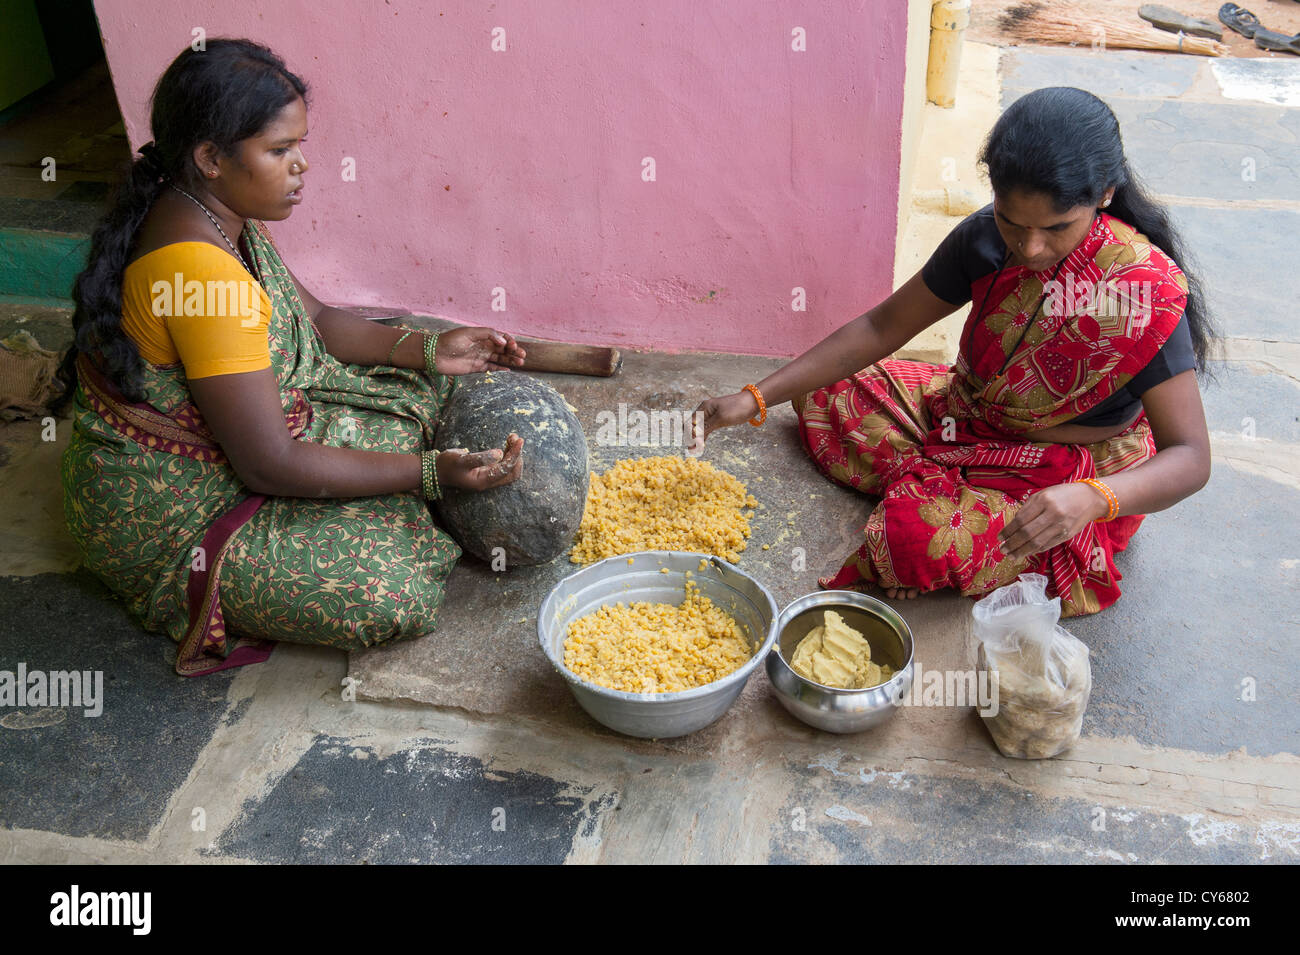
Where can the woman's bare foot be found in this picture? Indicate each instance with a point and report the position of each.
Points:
(906, 593)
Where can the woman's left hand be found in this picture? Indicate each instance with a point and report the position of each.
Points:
(1049, 517)
(464, 351)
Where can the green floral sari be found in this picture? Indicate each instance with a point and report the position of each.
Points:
(164, 521)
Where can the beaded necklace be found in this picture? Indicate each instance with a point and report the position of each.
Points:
(208, 212)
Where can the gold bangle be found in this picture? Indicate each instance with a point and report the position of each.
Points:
(429, 475)
(430, 350)
(393, 350)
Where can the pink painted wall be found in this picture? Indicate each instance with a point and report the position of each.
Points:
(523, 169)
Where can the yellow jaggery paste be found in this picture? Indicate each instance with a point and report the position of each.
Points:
(834, 654)
(664, 503)
(655, 647)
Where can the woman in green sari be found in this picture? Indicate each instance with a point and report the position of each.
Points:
(248, 465)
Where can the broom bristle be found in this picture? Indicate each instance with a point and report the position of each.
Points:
(1070, 24)
(1018, 14)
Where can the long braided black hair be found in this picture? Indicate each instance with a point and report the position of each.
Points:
(1064, 143)
(228, 91)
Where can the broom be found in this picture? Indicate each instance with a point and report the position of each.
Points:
(1072, 24)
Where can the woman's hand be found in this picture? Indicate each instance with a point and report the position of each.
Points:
(715, 413)
(1050, 517)
(480, 470)
(464, 351)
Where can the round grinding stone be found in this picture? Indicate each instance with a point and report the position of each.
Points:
(535, 518)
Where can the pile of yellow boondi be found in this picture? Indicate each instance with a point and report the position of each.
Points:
(663, 503)
(654, 647)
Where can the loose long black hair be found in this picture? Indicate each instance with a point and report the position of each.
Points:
(222, 94)
(1064, 143)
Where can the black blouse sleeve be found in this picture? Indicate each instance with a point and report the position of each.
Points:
(1175, 357)
(973, 249)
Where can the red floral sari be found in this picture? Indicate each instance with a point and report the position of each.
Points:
(950, 451)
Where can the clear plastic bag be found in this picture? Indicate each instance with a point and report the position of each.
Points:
(1043, 675)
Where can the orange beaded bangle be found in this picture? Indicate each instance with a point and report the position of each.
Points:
(1112, 502)
(762, 405)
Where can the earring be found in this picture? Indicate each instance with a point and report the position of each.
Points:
(1105, 204)
(212, 173)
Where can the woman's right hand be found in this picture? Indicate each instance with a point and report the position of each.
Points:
(723, 412)
(480, 470)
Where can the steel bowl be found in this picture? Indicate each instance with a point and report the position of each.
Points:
(829, 708)
(630, 578)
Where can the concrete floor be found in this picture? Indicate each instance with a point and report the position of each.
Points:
(465, 745)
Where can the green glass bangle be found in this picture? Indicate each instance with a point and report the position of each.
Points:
(430, 346)
(392, 351)
(429, 475)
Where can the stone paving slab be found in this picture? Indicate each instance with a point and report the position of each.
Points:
(640, 801)
(1243, 257)
(1209, 148)
(1203, 609)
(840, 810)
(109, 775)
(1109, 73)
(1244, 396)
(1215, 150)
(343, 803)
(1198, 582)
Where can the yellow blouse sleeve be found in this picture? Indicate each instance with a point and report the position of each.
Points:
(214, 313)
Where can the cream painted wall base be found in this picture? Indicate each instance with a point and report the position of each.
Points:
(946, 152)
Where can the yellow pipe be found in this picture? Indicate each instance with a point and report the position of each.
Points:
(948, 21)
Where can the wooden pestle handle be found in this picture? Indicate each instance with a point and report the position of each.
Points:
(599, 360)
(564, 357)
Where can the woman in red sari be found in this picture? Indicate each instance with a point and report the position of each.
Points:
(1072, 409)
